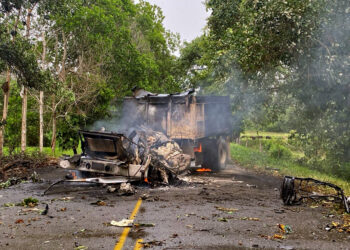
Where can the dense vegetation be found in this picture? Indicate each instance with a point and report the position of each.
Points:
(82, 55)
(285, 64)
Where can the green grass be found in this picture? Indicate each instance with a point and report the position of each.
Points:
(275, 135)
(252, 158)
(46, 150)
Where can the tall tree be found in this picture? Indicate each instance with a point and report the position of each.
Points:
(295, 48)
(24, 93)
(16, 54)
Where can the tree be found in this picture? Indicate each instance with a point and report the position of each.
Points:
(15, 52)
(297, 49)
(125, 46)
(90, 52)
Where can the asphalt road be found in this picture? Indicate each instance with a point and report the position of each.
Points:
(233, 209)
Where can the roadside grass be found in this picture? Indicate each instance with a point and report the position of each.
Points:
(261, 133)
(46, 150)
(262, 161)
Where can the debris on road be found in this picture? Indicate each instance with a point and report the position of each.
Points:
(149, 198)
(79, 247)
(144, 224)
(126, 189)
(99, 203)
(152, 243)
(19, 221)
(9, 204)
(250, 218)
(228, 210)
(294, 190)
(46, 210)
(223, 220)
(144, 196)
(251, 186)
(279, 211)
(279, 236)
(27, 210)
(340, 227)
(69, 198)
(286, 229)
(111, 189)
(22, 166)
(122, 223)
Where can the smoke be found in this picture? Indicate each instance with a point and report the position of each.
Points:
(122, 117)
(323, 84)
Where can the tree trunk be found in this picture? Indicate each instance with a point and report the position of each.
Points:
(6, 89)
(41, 121)
(24, 120)
(41, 100)
(25, 96)
(54, 123)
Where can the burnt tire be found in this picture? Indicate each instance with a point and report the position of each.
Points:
(287, 190)
(215, 154)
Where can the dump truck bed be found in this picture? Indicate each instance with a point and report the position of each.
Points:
(182, 116)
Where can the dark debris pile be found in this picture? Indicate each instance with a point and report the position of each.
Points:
(21, 166)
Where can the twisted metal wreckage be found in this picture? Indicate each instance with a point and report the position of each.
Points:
(142, 153)
(294, 190)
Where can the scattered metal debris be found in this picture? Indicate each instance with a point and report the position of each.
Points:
(228, 210)
(122, 223)
(126, 189)
(99, 203)
(294, 190)
(111, 189)
(97, 180)
(46, 210)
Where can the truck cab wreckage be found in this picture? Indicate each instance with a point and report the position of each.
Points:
(160, 135)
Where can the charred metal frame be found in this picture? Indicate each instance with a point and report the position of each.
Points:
(293, 191)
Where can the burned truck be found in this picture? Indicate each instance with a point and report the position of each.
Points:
(163, 132)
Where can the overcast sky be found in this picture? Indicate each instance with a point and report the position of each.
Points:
(186, 17)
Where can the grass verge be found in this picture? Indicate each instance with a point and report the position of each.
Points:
(263, 133)
(46, 150)
(261, 161)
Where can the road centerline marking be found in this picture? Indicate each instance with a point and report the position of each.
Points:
(126, 230)
(138, 244)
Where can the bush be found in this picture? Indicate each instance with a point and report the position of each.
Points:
(279, 151)
(276, 149)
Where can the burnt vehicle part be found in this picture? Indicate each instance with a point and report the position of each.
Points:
(103, 153)
(136, 154)
(294, 190)
(96, 180)
(201, 125)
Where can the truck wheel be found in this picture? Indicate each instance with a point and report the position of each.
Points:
(222, 155)
(215, 154)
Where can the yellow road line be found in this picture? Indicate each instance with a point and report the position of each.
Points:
(138, 244)
(126, 230)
